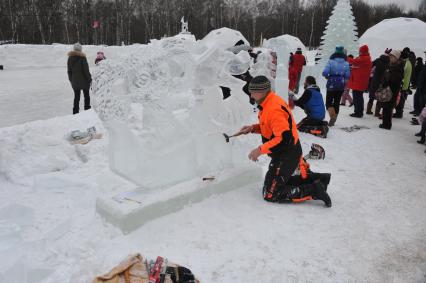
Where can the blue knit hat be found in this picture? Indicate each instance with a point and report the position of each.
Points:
(340, 49)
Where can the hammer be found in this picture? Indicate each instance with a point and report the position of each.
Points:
(228, 137)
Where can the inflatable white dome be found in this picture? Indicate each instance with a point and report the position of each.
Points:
(396, 33)
(292, 43)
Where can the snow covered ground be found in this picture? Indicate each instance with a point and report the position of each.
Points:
(50, 232)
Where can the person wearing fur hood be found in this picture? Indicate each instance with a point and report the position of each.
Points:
(79, 76)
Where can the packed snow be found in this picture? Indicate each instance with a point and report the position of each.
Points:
(49, 228)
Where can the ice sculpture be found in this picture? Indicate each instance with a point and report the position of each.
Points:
(340, 30)
(165, 111)
(281, 47)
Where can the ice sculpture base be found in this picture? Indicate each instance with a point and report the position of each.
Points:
(130, 210)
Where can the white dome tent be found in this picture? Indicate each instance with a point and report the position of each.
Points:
(292, 43)
(396, 33)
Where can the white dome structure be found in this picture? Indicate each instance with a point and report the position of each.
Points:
(396, 33)
(292, 43)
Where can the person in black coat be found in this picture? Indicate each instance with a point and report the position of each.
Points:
(393, 79)
(79, 76)
(380, 65)
(416, 71)
(420, 94)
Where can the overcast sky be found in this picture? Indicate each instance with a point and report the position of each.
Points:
(408, 4)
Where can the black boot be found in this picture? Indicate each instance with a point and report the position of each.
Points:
(316, 190)
(319, 191)
(323, 177)
(369, 107)
(355, 115)
(422, 140)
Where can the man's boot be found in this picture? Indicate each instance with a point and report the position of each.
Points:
(315, 190)
(333, 116)
(319, 191)
(369, 107)
(397, 115)
(323, 177)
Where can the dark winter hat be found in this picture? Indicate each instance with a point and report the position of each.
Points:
(340, 50)
(259, 84)
(405, 53)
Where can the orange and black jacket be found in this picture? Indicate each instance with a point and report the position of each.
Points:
(277, 126)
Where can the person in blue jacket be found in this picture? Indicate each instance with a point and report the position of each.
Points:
(312, 102)
(337, 73)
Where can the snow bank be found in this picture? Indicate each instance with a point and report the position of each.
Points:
(48, 189)
(41, 147)
(396, 33)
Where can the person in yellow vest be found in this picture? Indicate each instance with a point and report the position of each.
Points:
(281, 142)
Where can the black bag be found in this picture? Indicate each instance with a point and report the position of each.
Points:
(383, 94)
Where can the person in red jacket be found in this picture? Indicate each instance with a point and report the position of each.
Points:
(281, 142)
(360, 76)
(298, 61)
(292, 78)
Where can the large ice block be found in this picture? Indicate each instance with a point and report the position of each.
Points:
(129, 210)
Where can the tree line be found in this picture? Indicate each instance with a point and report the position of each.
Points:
(113, 22)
